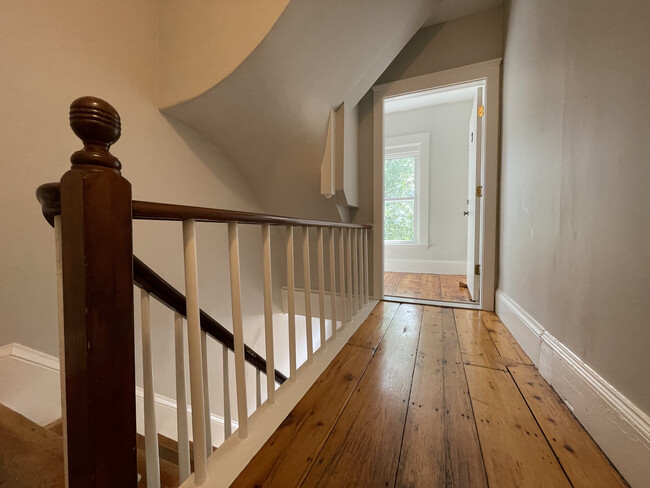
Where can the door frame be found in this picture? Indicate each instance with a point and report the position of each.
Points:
(488, 72)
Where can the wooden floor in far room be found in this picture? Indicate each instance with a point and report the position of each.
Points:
(426, 286)
(426, 397)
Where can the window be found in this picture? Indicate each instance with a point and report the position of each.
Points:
(406, 165)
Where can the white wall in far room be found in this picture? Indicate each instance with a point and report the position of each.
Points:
(448, 128)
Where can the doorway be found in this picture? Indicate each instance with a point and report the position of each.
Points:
(435, 187)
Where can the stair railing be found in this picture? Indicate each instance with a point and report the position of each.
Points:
(92, 210)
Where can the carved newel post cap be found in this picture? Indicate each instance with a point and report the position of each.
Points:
(97, 124)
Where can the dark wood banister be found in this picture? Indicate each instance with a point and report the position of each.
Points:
(166, 211)
(96, 211)
(147, 279)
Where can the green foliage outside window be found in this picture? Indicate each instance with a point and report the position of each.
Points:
(399, 199)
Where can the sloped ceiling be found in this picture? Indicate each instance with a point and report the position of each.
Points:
(270, 115)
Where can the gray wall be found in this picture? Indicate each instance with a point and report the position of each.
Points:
(575, 218)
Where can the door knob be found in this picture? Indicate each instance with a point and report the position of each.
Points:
(466, 213)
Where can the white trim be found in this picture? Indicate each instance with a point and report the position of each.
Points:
(487, 72)
(29, 355)
(414, 145)
(425, 266)
(31, 386)
(29, 383)
(621, 429)
(233, 456)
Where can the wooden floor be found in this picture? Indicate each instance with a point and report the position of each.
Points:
(424, 396)
(426, 286)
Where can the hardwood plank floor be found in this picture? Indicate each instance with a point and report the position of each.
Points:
(426, 286)
(425, 396)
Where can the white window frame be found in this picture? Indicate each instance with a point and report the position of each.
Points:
(416, 145)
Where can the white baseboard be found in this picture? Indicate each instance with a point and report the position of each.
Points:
(425, 266)
(621, 429)
(299, 303)
(30, 385)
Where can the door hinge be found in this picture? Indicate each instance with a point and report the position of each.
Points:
(479, 191)
(477, 269)
(481, 110)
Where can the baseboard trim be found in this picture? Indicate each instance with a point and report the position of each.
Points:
(621, 429)
(30, 385)
(425, 266)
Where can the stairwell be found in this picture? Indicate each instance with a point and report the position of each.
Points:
(32, 455)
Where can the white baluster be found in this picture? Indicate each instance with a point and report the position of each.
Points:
(344, 306)
(238, 329)
(181, 401)
(365, 265)
(332, 283)
(355, 269)
(258, 388)
(349, 273)
(59, 298)
(291, 289)
(362, 292)
(321, 288)
(227, 419)
(150, 433)
(307, 279)
(194, 348)
(206, 394)
(268, 315)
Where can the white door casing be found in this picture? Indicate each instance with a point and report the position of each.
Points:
(487, 74)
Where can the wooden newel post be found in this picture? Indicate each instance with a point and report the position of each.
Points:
(98, 305)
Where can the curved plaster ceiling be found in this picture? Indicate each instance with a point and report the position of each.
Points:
(270, 115)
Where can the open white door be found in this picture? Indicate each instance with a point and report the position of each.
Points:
(474, 192)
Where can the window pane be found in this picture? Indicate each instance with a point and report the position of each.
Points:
(399, 177)
(399, 221)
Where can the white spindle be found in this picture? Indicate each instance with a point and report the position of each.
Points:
(206, 394)
(362, 292)
(321, 288)
(258, 388)
(355, 269)
(307, 279)
(227, 419)
(181, 400)
(150, 433)
(349, 273)
(268, 315)
(59, 298)
(332, 283)
(365, 265)
(291, 292)
(238, 329)
(194, 348)
(344, 306)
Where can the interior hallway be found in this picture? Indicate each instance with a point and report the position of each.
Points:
(424, 396)
(426, 286)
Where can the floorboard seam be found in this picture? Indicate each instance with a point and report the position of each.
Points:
(408, 401)
(372, 356)
(471, 405)
(540, 429)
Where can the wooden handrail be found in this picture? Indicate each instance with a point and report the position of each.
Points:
(147, 279)
(166, 211)
(144, 277)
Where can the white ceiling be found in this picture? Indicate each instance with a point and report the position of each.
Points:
(453, 9)
(423, 99)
